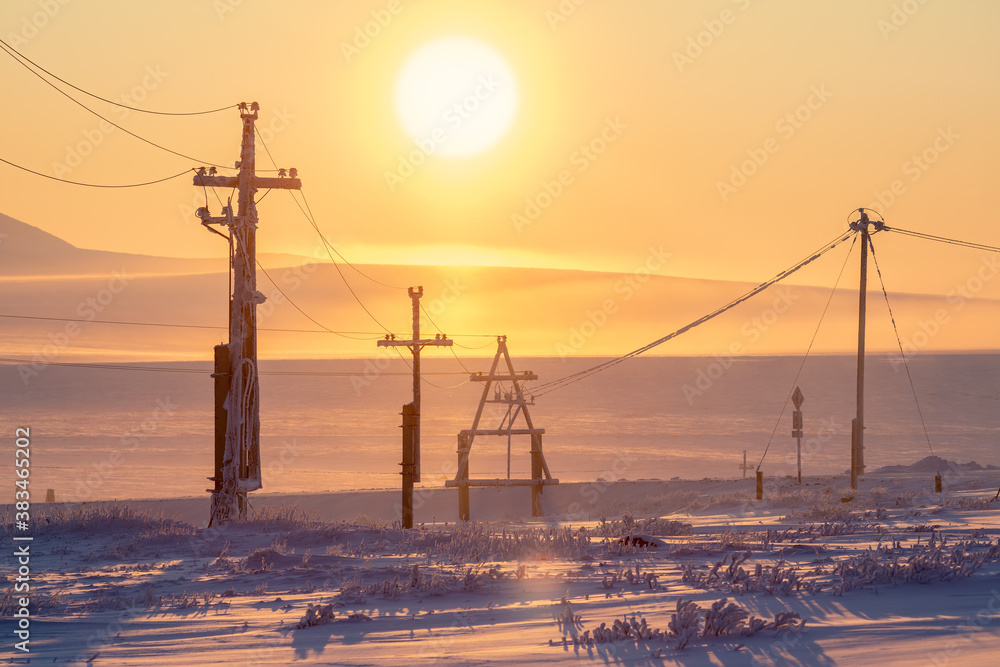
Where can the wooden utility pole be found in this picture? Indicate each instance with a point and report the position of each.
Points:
(744, 467)
(858, 425)
(411, 413)
(240, 471)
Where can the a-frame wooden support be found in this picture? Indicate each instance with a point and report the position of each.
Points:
(517, 405)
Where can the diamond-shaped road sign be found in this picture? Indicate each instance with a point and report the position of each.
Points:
(797, 398)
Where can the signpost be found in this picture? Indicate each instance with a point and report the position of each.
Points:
(797, 399)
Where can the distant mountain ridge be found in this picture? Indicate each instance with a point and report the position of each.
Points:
(545, 312)
(26, 250)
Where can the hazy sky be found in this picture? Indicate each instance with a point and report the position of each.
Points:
(736, 134)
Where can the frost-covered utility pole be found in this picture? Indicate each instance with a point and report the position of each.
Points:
(411, 413)
(858, 424)
(237, 456)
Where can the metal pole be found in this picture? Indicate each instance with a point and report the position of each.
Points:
(798, 456)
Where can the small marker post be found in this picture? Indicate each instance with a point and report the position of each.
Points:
(797, 399)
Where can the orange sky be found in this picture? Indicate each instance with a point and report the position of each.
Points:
(837, 103)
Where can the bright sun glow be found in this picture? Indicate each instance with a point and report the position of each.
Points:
(456, 97)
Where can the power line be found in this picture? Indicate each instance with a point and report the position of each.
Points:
(795, 382)
(162, 369)
(942, 239)
(95, 185)
(548, 387)
(14, 53)
(902, 354)
(347, 284)
(312, 219)
(105, 119)
(304, 313)
(307, 212)
(377, 334)
(326, 244)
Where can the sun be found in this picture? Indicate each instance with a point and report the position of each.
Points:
(456, 97)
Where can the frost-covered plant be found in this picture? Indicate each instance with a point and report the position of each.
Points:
(723, 619)
(621, 629)
(629, 525)
(685, 622)
(729, 575)
(351, 592)
(478, 542)
(316, 615)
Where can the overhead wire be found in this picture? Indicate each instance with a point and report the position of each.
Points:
(902, 354)
(95, 185)
(104, 118)
(304, 313)
(326, 245)
(798, 373)
(312, 219)
(163, 369)
(330, 250)
(14, 53)
(376, 334)
(559, 383)
(942, 239)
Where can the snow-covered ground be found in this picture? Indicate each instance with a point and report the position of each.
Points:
(810, 575)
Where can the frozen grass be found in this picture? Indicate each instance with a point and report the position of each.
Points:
(629, 525)
(688, 623)
(103, 518)
(477, 542)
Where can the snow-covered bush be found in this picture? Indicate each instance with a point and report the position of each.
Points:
(928, 564)
(476, 542)
(628, 525)
(316, 615)
(723, 619)
(646, 579)
(685, 622)
(729, 575)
